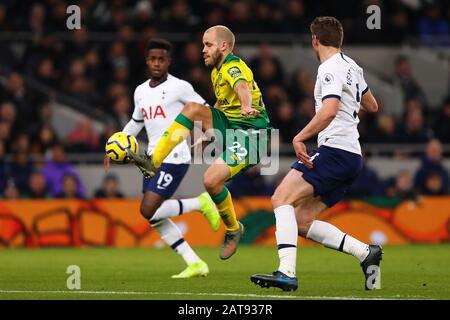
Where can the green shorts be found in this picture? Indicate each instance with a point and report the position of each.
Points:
(242, 143)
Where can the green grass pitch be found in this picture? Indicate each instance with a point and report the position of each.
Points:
(408, 272)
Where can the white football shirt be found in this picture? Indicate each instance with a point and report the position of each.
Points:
(157, 107)
(342, 78)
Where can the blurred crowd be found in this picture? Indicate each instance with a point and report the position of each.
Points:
(431, 178)
(56, 177)
(103, 74)
(401, 19)
(53, 177)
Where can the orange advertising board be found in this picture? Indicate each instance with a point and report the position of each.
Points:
(50, 223)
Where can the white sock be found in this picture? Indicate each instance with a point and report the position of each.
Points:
(173, 208)
(172, 236)
(191, 204)
(286, 234)
(356, 248)
(331, 237)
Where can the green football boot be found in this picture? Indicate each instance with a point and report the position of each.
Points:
(209, 210)
(197, 269)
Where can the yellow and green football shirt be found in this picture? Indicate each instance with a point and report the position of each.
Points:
(232, 70)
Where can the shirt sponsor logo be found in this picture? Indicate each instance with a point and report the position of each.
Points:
(328, 78)
(234, 72)
(153, 112)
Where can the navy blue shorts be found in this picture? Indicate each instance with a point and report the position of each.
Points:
(166, 180)
(334, 170)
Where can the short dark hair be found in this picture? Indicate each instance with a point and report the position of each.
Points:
(328, 30)
(159, 43)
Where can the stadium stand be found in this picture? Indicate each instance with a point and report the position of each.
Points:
(72, 89)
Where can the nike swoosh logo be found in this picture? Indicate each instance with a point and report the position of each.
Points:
(158, 187)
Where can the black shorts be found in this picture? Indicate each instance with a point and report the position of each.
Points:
(334, 170)
(167, 179)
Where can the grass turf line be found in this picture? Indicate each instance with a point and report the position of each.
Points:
(408, 272)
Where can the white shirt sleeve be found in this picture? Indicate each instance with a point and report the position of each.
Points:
(137, 113)
(331, 83)
(189, 94)
(364, 87)
(136, 123)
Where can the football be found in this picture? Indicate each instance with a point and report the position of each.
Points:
(117, 144)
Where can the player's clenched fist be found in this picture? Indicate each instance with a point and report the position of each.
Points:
(249, 112)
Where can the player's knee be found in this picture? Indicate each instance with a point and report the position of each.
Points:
(211, 184)
(279, 199)
(191, 109)
(147, 210)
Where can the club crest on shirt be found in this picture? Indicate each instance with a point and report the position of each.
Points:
(328, 78)
(234, 72)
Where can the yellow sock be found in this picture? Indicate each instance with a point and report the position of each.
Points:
(174, 134)
(225, 206)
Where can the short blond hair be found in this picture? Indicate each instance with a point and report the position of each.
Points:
(223, 33)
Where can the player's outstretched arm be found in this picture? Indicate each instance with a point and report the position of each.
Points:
(368, 102)
(321, 120)
(245, 97)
